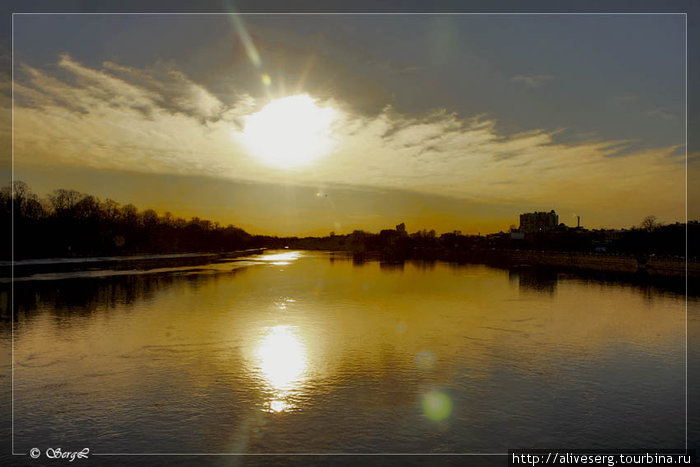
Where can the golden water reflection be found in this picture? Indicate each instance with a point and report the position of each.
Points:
(306, 356)
(282, 360)
(281, 259)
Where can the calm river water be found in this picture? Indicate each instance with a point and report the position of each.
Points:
(303, 352)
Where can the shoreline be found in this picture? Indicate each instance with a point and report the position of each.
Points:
(665, 272)
(653, 266)
(23, 268)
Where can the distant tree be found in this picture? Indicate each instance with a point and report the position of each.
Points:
(26, 204)
(149, 217)
(110, 209)
(62, 201)
(649, 223)
(5, 200)
(130, 214)
(88, 207)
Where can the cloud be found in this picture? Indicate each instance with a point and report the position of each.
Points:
(171, 90)
(664, 113)
(158, 120)
(532, 81)
(159, 89)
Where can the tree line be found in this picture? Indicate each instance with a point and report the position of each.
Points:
(68, 223)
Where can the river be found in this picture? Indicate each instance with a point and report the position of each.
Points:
(310, 352)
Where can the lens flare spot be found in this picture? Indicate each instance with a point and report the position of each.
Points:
(436, 405)
(425, 360)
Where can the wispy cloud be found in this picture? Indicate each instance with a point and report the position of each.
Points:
(664, 113)
(532, 81)
(159, 120)
(148, 92)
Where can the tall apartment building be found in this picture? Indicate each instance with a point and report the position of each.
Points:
(532, 222)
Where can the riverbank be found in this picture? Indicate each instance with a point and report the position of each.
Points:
(119, 263)
(625, 264)
(655, 267)
(664, 273)
(667, 272)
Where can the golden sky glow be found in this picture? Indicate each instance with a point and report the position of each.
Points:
(331, 120)
(122, 126)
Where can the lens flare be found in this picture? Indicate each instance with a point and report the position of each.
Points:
(436, 405)
(425, 360)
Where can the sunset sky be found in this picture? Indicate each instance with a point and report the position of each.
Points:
(308, 124)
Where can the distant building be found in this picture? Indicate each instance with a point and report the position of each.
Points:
(532, 222)
(401, 229)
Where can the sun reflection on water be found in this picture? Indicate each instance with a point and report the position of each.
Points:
(283, 363)
(281, 259)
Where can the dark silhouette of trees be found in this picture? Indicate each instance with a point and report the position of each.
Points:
(69, 223)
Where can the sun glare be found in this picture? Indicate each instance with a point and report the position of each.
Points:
(282, 357)
(289, 132)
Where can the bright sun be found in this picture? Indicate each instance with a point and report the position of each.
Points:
(289, 132)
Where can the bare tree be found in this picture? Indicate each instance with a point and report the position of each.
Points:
(64, 200)
(649, 223)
